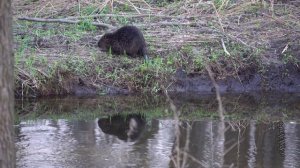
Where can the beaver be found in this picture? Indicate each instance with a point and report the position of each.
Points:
(127, 40)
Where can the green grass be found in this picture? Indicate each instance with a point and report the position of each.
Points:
(30, 61)
(86, 25)
(221, 4)
(290, 58)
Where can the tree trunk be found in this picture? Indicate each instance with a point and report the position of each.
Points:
(7, 150)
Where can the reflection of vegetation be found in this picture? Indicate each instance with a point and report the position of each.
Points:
(198, 108)
(87, 108)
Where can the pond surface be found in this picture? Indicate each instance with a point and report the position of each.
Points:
(132, 131)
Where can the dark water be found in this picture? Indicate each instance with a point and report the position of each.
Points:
(261, 131)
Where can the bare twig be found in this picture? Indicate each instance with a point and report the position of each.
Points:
(218, 16)
(218, 95)
(285, 48)
(196, 160)
(224, 47)
(134, 6)
(64, 21)
(186, 146)
(232, 37)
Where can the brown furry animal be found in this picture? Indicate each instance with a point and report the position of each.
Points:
(127, 40)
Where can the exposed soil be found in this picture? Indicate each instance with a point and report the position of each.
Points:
(285, 78)
(248, 46)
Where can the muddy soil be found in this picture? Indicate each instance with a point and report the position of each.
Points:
(276, 78)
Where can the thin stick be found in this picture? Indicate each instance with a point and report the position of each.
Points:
(224, 47)
(64, 21)
(134, 6)
(196, 160)
(218, 95)
(146, 3)
(137, 16)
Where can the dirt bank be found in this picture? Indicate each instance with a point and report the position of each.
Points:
(275, 79)
(279, 79)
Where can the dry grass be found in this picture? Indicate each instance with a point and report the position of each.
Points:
(250, 23)
(230, 34)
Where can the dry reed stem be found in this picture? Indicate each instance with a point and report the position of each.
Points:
(180, 152)
(180, 20)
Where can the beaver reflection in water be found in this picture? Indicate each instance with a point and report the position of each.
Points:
(127, 40)
(125, 127)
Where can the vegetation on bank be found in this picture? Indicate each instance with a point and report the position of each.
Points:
(229, 36)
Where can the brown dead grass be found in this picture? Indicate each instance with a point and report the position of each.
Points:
(191, 22)
(270, 29)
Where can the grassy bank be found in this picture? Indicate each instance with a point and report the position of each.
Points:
(51, 58)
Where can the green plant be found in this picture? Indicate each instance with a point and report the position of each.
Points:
(221, 4)
(154, 65)
(29, 64)
(289, 58)
(86, 25)
(155, 88)
(113, 76)
(23, 41)
(77, 65)
(99, 70)
(199, 61)
(88, 10)
(123, 20)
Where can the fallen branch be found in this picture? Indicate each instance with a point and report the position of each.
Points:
(139, 16)
(65, 21)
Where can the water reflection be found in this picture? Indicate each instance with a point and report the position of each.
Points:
(259, 138)
(251, 106)
(62, 143)
(125, 127)
(251, 144)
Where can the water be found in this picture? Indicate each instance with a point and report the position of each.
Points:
(261, 131)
